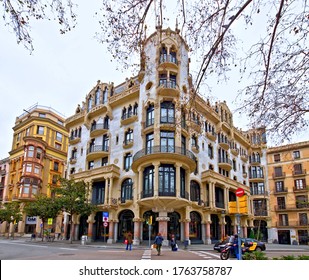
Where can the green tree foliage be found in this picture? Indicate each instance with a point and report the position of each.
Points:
(10, 213)
(44, 207)
(73, 197)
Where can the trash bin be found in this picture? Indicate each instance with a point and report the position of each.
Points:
(84, 239)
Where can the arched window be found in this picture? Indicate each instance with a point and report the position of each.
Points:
(128, 137)
(105, 94)
(106, 122)
(163, 54)
(89, 103)
(97, 96)
(126, 190)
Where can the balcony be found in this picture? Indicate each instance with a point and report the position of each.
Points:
(224, 144)
(254, 161)
(97, 110)
(244, 158)
(297, 207)
(128, 144)
(278, 175)
(74, 140)
(128, 118)
(211, 135)
(253, 177)
(168, 61)
(147, 155)
(168, 88)
(235, 151)
(225, 163)
(98, 129)
(299, 172)
(97, 151)
(260, 212)
(281, 191)
(301, 189)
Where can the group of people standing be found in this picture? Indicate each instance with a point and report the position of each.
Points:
(158, 242)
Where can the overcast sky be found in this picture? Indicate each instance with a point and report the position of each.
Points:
(61, 70)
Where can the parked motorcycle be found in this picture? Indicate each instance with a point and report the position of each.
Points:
(229, 250)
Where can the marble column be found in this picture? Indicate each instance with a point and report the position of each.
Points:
(110, 232)
(137, 231)
(208, 237)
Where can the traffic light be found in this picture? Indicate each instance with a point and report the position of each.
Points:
(150, 220)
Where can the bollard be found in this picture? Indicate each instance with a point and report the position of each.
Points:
(84, 239)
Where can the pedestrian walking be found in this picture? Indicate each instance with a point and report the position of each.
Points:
(158, 241)
(129, 241)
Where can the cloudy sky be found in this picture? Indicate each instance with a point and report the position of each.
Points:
(61, 70)
(59, 73)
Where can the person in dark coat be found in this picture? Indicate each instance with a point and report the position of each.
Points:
(158, 241)
(173, 243)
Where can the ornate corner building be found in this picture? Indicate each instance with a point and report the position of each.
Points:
(38, 156)
(155, 152)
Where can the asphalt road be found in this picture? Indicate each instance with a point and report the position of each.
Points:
(24, 249)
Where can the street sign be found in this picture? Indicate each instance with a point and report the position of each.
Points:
(105, 224)
(240, 192)
(105, 216)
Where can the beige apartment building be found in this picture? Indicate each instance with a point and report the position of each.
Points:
(288, 179)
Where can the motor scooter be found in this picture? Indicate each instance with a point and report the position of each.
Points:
(229, 250)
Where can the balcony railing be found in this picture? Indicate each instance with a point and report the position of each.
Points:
(99, 126)
(168, 58)
(279, 175)
(297, 172)
(164, 149)
(225, 160)
(97, 148)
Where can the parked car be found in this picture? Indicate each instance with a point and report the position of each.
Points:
(254, 245)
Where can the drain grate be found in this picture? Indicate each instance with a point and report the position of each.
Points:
(66, 254)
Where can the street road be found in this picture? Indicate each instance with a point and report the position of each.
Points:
(26, 250)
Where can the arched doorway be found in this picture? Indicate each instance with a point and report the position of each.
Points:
(173, 225)
(214, 228)
(195, 229)
(125, 223)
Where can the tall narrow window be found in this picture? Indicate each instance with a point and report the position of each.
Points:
(105, 145)
(126, 190)
(148, 182)
(195, 194)
(105, 95)
(149, 143)
(127, 161)
(150, 115)
(167, 180)
(97, 96)
(167, 112)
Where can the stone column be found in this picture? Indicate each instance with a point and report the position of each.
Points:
(208, 237)
(222, 226)
(110, 187)
(137, 231)
(163, 227)
(106, 191)
(187, 231)
(90, 222)
(110, 232)
(211, 195)
(116, 225)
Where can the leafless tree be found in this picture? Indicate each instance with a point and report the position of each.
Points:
(19, 15)
(274, 66)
